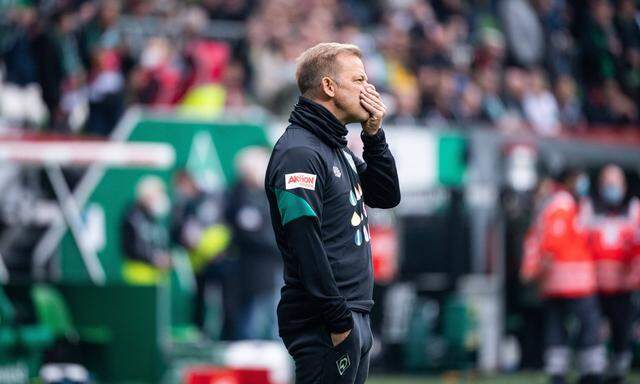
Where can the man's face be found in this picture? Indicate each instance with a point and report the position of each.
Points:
(351, 79)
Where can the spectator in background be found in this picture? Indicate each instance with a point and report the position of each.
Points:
(100, 32)
(273, 51)
(469, 106)
(602, 49)
(106, 93)
(20, 64)
(558, 258)
(406, 110)
(395, 48)
(201, 65)
(540, 106)
(144, 238)
(569, 107)
(233, 81)
(444, 100)
(612, 229)
(492, 49)
(156, 80)
(234, 10)
(20, 96)
(74, 76)
(628, 27)
(603, 60)
(620, 109)
(559, 47)
(51, 72)
(428, 80)
(515, 86)
(197, 225)
(493, 109)
(260, 263)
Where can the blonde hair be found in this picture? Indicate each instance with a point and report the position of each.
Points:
(319, 61)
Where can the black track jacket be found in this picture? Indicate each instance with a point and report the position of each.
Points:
(317, 191)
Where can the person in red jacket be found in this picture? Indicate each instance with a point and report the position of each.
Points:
(612, 228)
(558, 259)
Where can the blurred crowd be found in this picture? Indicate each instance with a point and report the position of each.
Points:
(519, 65)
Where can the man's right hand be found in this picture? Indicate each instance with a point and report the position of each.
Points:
(337, 338)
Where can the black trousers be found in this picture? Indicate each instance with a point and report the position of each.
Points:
(618, 310)
(583, 312)
(319, 362)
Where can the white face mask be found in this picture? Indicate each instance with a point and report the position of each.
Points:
(159, 206)
(153, 56)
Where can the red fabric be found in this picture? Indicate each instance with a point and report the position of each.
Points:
(210, 375)
(612, 244)
(168, 79)
(252, 375)
(557, 253)
(210, 59)
(531, 267)
(222, 375)
(384, 249)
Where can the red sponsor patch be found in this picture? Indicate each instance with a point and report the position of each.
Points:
(300, 180)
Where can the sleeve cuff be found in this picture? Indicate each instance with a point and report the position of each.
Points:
(342, 325)
(369, 140)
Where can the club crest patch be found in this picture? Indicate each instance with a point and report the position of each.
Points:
(343, 364)
(336, 171)
(300, 180)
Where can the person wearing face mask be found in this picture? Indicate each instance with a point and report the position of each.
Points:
(558, 259)
(611, 228)
(144, 238)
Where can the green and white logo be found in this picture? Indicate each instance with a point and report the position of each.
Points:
(343, 364)
(204, 163)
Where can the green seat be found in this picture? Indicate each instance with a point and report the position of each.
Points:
(20, 342)
(53, 312)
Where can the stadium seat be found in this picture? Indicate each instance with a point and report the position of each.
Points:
(53, 312)
(21, 342)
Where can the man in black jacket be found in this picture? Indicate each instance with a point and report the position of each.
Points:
(317, 191)
(144, 238)
(259, 260)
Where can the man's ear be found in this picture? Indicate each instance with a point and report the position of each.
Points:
(328, 86)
